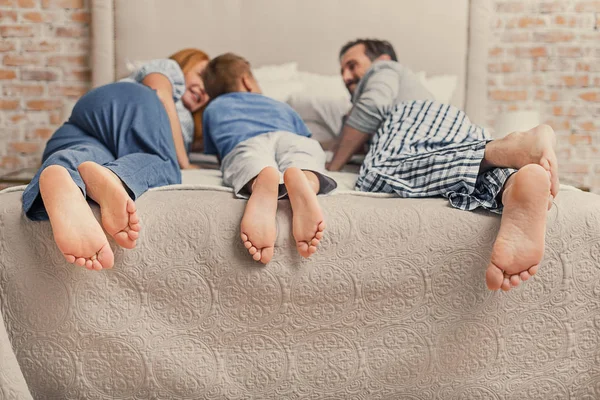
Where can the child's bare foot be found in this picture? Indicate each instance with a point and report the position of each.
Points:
(308, 224)
(519, 247)
(119, 217)
(518, 149)
(76, 231)
(258, 227)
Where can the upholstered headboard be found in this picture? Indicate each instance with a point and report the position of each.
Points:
(435, 36)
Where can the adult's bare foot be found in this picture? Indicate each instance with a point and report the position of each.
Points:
(519, 247)
(76, 231)
(119, 217)
(308, 223)
(258, 227)
(518, 149)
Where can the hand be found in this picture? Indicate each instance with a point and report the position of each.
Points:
(192, 166)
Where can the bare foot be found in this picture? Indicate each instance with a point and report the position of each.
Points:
(308, 224)
(119, 217)
(76, 231)
(258, 227)
(519, 247)
(518, 149)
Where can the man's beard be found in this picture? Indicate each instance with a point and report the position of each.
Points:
(353, 82)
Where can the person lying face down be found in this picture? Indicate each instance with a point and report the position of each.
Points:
(260, 140)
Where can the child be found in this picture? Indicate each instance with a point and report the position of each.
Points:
(257, 139)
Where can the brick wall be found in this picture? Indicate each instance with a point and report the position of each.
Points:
(545, 55)
(44, 68)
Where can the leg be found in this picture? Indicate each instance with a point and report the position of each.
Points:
(308, 221)
(252, 172)
(133, 124)
(303, 161)
(519, 247)
(258, 228)
(518, 149)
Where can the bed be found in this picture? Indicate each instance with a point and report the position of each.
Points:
(393, 305)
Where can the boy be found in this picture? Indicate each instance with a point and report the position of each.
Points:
(257, 139)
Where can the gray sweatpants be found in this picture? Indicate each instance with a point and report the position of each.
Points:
(281, 150)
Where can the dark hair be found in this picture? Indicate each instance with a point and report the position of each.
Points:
(222, 74)
(373, 48)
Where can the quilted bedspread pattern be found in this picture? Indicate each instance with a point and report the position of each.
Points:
(393, 306)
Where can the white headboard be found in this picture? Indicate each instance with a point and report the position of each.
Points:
(436, 36)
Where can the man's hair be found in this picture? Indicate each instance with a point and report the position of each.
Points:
(373, 48)
(222, 74)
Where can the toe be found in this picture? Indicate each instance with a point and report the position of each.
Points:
(135, 227)
(131, 206)
(533, 270)
(122, 238)
(134, 219)
(312, 249)
(247, 245)
(494, 277)
(256, 256)
(88, 264)
(302, 246)
(505, 284)
(524, 275)
(70, 259)
(96, 265)
(252, 250)
(106, 257)
(515, 280)
(244, 237)
(80, 261)
(266, 254)
(315, 242)
(133, 235)
(322, 226)
(319, 235)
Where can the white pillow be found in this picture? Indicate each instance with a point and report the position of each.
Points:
(442, 87)
(278, 81)
(322, 103)
(276, 73)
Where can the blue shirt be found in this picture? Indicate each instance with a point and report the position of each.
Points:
(234, 117)
(172, 71)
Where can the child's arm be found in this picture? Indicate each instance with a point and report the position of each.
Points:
(164, 90)
(350, 142)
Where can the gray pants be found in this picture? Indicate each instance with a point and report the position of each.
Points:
(281, 150)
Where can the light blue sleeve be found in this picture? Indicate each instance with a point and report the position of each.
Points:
(168, 68)
(209, 145)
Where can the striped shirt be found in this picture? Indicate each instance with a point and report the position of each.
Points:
(171, 70)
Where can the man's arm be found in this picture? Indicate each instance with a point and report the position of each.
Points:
(350, 142)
